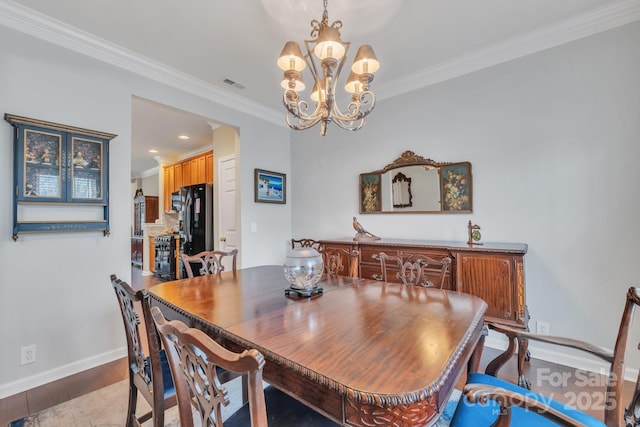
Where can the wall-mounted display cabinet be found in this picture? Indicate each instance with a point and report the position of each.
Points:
(61, 179)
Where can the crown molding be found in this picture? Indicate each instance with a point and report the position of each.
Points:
(33, 23)
(590, 23)
(25, 20)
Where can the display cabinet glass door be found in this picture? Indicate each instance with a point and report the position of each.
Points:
(42, 165)
(86, 174)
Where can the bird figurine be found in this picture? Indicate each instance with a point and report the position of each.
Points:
(361, 233)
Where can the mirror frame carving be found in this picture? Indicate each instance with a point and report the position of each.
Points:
(455, 186)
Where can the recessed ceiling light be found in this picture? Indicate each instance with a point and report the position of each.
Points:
(183, 137)
(153, 150)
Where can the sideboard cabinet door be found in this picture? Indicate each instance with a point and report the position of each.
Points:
(497, 279)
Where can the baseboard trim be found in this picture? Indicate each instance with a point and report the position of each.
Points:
(493, 340)
(542, 352)
(58, 373)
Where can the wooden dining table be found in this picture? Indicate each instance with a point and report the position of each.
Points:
(362, 352)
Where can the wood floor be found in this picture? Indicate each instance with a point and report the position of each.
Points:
(543, 376)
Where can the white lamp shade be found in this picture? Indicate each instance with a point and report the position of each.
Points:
(291, 58)
(354, 85)
(329, 45)
(366, 61)
(299, 84)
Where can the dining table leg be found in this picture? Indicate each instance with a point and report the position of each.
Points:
(474, 361)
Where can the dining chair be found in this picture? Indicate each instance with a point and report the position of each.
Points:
(194, 358)
(341, 262)
(306, 243)
(491, 401)
(149, 373)
(415, 269)
(208, 262)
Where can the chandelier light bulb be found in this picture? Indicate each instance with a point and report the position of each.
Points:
(354, 85)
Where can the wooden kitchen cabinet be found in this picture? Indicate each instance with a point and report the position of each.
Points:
(136, 251)
(168, 183)
(208, 168)
(493, 272)
(152, 253)
(195, 170)
(178, 179)
(186, 173)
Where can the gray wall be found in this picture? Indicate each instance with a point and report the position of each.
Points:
(554, 142)
(54, 287)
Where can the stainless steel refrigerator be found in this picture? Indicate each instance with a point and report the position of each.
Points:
(196, 231)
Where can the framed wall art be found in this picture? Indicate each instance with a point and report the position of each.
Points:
(456, 187)
(270, 187)
(370, 200)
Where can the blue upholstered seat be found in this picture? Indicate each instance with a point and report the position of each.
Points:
(282, 410)
(167, 380)
(480, 415)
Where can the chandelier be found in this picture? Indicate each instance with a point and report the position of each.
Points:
(326, 54)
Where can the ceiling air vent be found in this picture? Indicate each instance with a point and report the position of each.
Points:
(232, 83)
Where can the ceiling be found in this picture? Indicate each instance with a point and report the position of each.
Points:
(203, 42)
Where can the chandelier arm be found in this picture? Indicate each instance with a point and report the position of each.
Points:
(349, 124)
(297, 110)
(301, 124)
(357, 111)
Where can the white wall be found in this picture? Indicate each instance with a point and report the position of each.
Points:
(554, 142)
(54, 287)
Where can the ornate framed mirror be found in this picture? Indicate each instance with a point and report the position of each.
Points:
(414, 184)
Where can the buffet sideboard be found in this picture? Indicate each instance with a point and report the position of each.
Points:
(491, 271)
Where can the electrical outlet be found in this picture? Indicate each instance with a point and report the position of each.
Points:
(542, 328)
(28, 354)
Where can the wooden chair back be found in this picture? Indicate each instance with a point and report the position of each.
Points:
(145, 368)
(195, 358)
(341, 262)
(208, 262)
(616, 413)
(306, 243)
(415, 269)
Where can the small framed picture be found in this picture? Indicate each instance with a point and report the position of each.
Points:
(455, 183)
(370, 191)
(270, 187)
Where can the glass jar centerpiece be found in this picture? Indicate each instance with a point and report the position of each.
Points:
(303, 268)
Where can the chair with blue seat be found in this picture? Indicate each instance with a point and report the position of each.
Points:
(195, 357)
(149, 373)
(491, 401)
